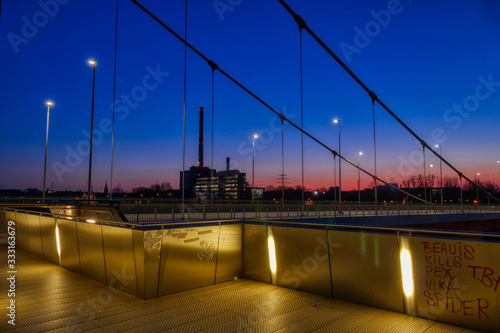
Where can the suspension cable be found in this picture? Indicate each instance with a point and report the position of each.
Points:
(282, 117)
(114, 96)
(301, 123)
(375, 97)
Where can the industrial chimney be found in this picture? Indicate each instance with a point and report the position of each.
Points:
(200, 143)
(228, 164)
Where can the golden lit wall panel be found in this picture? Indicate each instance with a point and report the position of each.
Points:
(255, 253)
(22, 238)
(148, 260)
(230, 254)
(91, 251)
(49, 242)
(188, 258)
(35, 235)
(366, 269)
(119, 258)
(70, 257)
(302, 259)
(458, 281)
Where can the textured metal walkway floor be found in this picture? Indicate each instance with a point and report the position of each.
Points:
(51, 298)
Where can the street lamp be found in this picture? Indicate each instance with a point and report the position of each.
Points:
(430, 186)
(255, 136)
(337, 121)
(93, 63)
(359, 188)
(477, 187)
(440, 172)
(49, 104)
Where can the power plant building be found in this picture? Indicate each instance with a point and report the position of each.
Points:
(204, 183)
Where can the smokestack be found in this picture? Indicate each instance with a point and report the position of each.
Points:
(228, 163)
(200, 143)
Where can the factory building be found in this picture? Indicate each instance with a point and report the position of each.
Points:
(203, 183)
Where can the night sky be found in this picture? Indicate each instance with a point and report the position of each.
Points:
(435, 64)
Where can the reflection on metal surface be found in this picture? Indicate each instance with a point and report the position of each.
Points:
(303, 259)
(91, 251)
(49, 242)
(256, 253)
(22, 239)
(34, 234)
(70, 257)
(187, 265)
(366, 279)
(230, 253)
(119, 257)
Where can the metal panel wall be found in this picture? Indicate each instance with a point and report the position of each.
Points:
(255, 253)
(70, 257)
(35, 234)
(91, 251)
(302, 259)
(22, 238)
(9, 216)
(366, 269)
(230, 254)
(147, 246)
(49, 242)
(458, 281)
(119, 258)
(188, 258)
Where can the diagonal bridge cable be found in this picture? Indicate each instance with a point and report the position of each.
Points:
(374, 97)
(282, 117)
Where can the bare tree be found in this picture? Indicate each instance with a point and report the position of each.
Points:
(450, 181)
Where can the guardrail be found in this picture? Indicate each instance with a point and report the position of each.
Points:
(449, 276)
(141, 211)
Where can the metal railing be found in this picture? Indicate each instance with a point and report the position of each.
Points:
(149, 211)
(172, 210)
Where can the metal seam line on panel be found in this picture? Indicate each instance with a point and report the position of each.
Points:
(375, 97)
(281, 116)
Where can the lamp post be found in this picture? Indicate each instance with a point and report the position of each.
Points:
(477, 187)
(255, 136)
(337, 121)
(359, 188)
(93, 63)
(430, 186)
(440, 172)
(49, 104)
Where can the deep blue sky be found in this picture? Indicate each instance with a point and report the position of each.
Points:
(427, 57)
